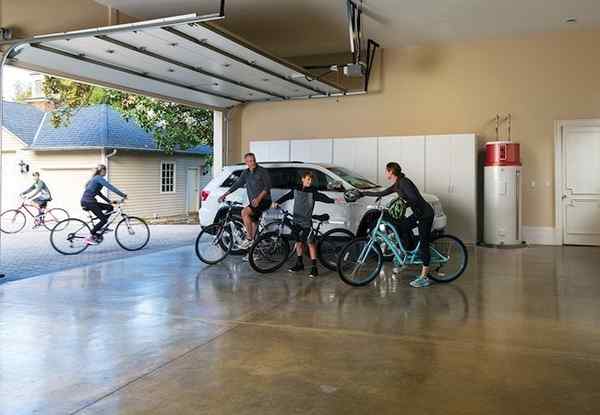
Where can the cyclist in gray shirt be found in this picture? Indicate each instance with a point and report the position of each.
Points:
(258, 185)
(38, 193)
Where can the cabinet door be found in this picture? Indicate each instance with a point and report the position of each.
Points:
(438, 166)
(312, 151)
(463, 203)
(271, 150)
(409, 152)
(358, 155)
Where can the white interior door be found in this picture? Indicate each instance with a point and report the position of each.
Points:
(357, 154)
(192, 190)
(271, 150)
(581, 185)
(409, 152)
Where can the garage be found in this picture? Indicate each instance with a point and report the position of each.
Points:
(489, 109)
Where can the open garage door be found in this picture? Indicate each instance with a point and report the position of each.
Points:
(181, 59)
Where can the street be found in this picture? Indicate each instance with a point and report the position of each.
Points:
(29, 253)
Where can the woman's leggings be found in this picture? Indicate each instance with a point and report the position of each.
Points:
(406, 225)
(98, 210)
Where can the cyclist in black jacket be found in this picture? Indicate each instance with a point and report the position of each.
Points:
(422, 217)
(305, 196)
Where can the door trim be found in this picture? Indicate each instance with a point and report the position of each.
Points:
(559, 238)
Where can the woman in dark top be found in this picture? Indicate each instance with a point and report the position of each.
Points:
(422, 217)
(93, 189)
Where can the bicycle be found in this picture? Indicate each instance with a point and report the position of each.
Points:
(131, 233)
(212, 244)
(272, 249)
(361, 261)
(14, 220)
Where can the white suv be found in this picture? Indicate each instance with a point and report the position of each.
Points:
(330, 179)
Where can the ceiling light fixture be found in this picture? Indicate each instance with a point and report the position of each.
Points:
(571, 20)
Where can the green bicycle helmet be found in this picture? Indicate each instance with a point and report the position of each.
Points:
(396, 208)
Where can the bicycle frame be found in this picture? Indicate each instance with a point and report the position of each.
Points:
(24, 206)
(118, 212)
(402, 256)
(287, 221)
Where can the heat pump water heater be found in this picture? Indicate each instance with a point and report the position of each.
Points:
(502, 194)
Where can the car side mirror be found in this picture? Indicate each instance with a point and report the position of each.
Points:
(336, 186)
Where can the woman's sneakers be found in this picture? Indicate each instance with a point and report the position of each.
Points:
(91, 241)
(420, 282)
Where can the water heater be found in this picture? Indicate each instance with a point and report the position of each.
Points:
(502, 194)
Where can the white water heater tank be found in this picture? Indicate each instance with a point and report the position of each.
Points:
(502, 195)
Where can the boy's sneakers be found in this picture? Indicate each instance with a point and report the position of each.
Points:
(420, 282)
(314, 272)
(298, 267)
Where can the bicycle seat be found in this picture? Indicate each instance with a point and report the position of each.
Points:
(321, 218)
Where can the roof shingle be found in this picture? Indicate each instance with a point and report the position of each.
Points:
(97, 126)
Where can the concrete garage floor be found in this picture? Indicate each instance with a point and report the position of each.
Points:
(162, 334)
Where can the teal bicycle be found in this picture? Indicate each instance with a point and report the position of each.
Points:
(361, 260)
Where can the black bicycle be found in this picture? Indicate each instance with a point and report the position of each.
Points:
(271, 249)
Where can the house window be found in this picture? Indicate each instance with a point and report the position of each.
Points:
(167, 177)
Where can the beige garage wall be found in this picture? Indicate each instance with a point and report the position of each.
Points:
(36, 17)
(457, 89)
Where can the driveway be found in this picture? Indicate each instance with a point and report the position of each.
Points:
(29, 253)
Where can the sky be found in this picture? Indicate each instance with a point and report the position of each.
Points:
(10, 76)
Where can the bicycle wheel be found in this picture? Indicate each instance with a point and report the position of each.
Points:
(132, 233)
(360, 262)
(213, 243)
(240, 232)
(53, 216)
(449, 258)
(268, 253)
(12, 221)
(330, 245)
(68, 236)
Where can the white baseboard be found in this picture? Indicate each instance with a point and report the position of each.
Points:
(540, 235)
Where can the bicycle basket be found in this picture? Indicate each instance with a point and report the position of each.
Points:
(396, 208)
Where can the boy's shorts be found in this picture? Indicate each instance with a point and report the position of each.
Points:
(303, 234)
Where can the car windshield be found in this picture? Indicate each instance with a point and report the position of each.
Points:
(352, 178)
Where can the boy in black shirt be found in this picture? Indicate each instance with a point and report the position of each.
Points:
(305, 196)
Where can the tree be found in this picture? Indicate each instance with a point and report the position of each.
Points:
(173, 126)
(22, 91)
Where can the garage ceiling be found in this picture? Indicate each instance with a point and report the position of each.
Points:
(181, 59)
(309, 27)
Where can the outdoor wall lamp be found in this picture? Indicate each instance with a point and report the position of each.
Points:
(24, 167)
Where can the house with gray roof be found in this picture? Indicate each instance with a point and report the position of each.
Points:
(158, 184)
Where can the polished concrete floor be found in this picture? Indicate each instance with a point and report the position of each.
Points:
(519, 333)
